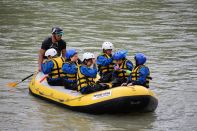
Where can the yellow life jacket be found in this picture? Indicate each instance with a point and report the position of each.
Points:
(57, 69)
(109, 68)
(82, 80)
(70, 76)
(122, 73)
(135, 75)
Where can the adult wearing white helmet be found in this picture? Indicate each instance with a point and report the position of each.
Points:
(105, 62)
(107, 46)
(86, 75)
(53, 68)
(54, 41)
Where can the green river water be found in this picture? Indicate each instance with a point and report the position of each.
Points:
(165, 30)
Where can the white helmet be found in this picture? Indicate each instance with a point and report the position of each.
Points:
(50, 52)
(107, 45)
(88, 55)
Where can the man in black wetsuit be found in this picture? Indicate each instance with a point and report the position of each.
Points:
(54, 41)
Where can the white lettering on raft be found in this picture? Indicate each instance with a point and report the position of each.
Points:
(101, 95)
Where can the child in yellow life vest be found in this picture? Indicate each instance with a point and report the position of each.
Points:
(122, 68)
(53, 67)
(140, 74)
(86, 75)
(105, 63)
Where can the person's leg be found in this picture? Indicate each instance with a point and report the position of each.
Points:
(87, 90)
(56, 82)
(94, 88)
(70, 85)
(66, 84)
(123, 80)
(118, 81)
(102, 86)
(115, 82)
(74, 86)
(106, 77)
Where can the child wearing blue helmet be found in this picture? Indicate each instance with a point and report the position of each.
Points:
(122, 68)
(70, 69)
(140, 74)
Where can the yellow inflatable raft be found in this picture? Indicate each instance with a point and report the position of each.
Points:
(114, 100)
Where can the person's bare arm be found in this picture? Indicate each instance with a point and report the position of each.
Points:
(40, 60)
(63, 53)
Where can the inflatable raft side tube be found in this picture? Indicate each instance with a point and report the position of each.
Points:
(118, 105)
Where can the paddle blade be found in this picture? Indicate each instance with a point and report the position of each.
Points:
(12, 84)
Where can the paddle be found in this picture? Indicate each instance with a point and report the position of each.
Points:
(14, 84)
(43, 78)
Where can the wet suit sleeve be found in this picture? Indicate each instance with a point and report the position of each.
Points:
(114, 73)
(69, 68)
(88, 71)
(47, 67)
(129, 65)
(130, 68)
(101, 60)
(143, 73)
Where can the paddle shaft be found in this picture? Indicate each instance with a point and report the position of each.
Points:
(25, 78)
(14, 84)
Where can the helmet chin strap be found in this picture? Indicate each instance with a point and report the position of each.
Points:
(136, 63)
(84, 62)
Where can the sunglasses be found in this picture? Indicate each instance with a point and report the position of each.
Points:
(59, 35)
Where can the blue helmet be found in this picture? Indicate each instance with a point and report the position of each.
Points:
(140, 58)
(121, 54)
(70, 53)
